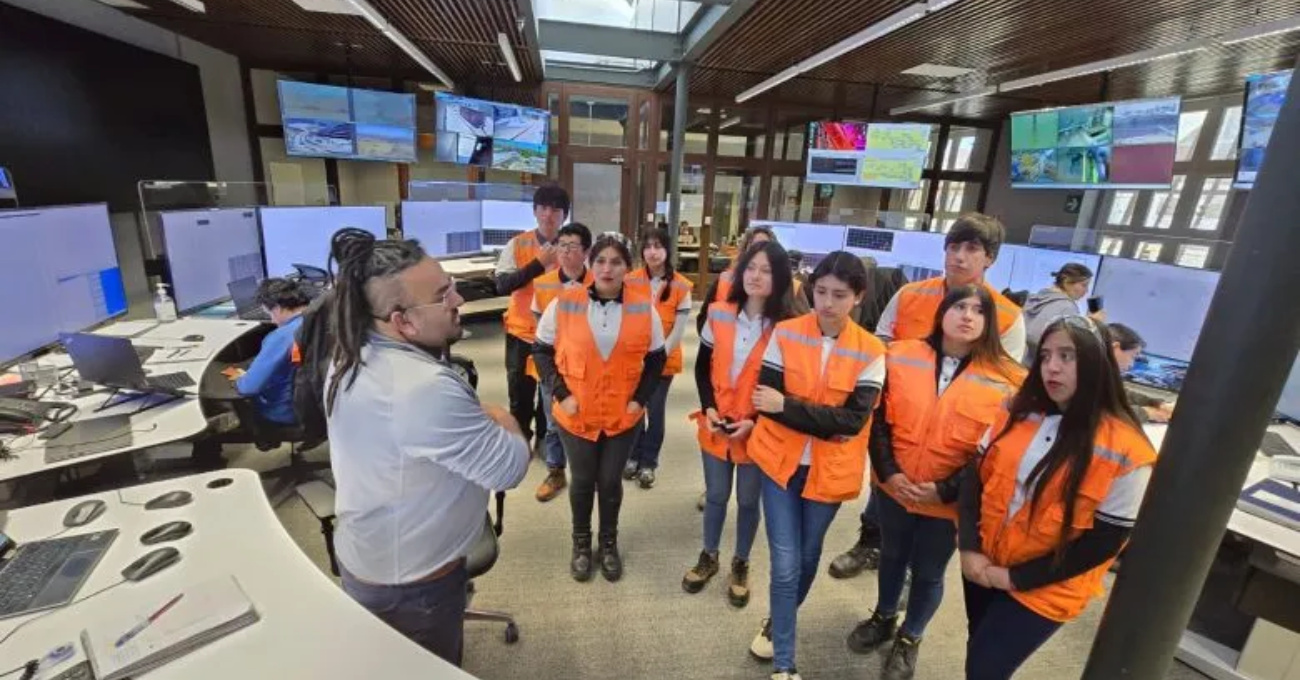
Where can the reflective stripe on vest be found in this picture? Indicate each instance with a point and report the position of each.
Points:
(918, 303)
(734, 400)
(679, 288)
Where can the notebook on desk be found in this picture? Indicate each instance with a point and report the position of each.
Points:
(1272, 500)
(135, 642)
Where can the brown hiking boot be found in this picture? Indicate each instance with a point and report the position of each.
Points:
(552, 485)
(698, 576)
(738, 588)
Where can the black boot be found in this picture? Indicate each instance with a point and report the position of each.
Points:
(864, 555)
(580, 566)
(611, 565)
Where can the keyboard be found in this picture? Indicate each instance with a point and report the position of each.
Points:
(257, 314)
(1274, 445)
(172, 382)
(49, 573)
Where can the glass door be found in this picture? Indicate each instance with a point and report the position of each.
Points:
(598, 186)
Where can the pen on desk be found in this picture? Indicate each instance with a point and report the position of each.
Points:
(126, 637)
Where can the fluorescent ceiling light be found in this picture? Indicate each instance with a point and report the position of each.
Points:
(950, 99)
(730, 122)
(326, 6)
(124, 4)
(192, 5)
(507, 51)
(1262, 31)
(1143, 57)
(372, 15)
(937, 71)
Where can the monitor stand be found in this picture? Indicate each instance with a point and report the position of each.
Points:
(113, 400)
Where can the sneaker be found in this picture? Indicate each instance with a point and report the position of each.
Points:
(761, 648)
(552, 485)
(869, 635)
(786, 675)
(864, 555)
(646, 478)
(698, 576)
(901, 664)
(738, 588)
(630, 470)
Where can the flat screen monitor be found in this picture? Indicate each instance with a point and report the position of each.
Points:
(207, 249)
(890, 155)
(1265, 95)
(1112, 145)
(1289, 405)
(59, 273)
(1165, 304)
(492, 134)
(445, 228)
(918, 254)
(7, 190)
(302, 235)
(503, 220)
(327, 121)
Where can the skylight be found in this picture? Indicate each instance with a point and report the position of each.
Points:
(664, 16)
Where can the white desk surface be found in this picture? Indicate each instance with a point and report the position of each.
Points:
(180, 419)
(309, 627)
(470, 267)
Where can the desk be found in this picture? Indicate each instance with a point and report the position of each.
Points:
(309, 627)
(171, 422)
(470, 267)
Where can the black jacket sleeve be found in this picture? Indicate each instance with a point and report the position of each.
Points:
(544, 357)
(950, 489)
(513, 281)
(968, 509)
(881, 446)
(1092, 548)
(703, 377)
(703, 317)
(823, 422)
(651, 372)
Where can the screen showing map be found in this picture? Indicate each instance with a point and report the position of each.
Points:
(890, 155)
(340, 122)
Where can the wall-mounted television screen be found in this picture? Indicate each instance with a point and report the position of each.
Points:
(1265, 94)
(491, 134)
(888, 155)
(340, 122)
(1113, 145)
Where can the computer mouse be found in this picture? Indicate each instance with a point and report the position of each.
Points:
(171, 499)
(193, 337)
(151, 563)
(171, 531)
(84, 513)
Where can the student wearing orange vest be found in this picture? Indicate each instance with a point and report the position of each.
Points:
(601, 349)
(525, 258)
(1050, 500)
(720, 289)
(818, 386)
(573, 244)
(970, 249)
(726, 373)
(941, 395)
(671, 293)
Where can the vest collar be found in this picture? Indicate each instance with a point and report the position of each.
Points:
(591, 293)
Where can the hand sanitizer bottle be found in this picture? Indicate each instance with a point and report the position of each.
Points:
(163, 306)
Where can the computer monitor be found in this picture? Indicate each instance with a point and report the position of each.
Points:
(59, 273)
(207, 249)
(302, 235)
(1289, 405)
(1165, 304)
(503, 220)
(918, 254)
(445, 228)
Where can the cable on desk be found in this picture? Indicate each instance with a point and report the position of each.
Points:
(30, 666)
(59, 609)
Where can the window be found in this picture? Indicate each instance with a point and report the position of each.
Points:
(1112, 245)
(1193, 255)
(1210, 204)
(1122, 204)
(1149, 250)
(1189, 132)
(1160, 214)
(597, 121)
(954, 198)
(1225, 143)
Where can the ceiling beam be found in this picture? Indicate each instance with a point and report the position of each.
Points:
(528, 18)
(584, 74)
(709, 24)
(628, 43)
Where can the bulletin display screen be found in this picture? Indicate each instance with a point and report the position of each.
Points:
(890, 155)
(492, 134)
(340, 122)
(1265, 95)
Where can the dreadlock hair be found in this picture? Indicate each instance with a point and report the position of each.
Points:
(363, 263)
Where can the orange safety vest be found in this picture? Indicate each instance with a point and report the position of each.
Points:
(680, 287)
(837, 465)
(734, 400)
(603, 387)
(918, 303)
(1118, 448)
(936, 435)
(546, 288)
(519, 313)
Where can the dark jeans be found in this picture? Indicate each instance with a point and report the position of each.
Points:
(924, 544)
(650, 438)
(596, 468)
(718, 476)
(870, 516)
(430, 613)
(522, 388)
(1003, 633)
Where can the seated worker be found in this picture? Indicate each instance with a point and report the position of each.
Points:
(1126, 345)
(269, 379)
(1070, 284)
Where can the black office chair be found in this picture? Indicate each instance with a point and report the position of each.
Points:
(313, 279)
(268, 436)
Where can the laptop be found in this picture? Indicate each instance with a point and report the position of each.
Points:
(88, 437)
(112, 362)
(47, 574)
(243, 292)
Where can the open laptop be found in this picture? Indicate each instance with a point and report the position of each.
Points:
(46, 574)
(243, 292)
(112, 362)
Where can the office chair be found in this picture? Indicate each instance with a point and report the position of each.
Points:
(314, 279)
(480, 560)
(267, 436)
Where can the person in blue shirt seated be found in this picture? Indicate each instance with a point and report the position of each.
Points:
(269, 379)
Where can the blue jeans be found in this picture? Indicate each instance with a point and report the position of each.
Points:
(430, 613)
(650, 437)
(925, 544)
(717, 493)
(552, 449)
(796, 528)
(1003, 633)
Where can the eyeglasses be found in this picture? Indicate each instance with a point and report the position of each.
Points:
(444, 300)
(568, 247)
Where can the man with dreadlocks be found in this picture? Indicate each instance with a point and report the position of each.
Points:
(414, 453)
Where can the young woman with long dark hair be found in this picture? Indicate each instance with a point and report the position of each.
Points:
(941, 395)
(1050, 500)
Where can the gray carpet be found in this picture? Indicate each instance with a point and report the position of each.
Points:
(645, 626)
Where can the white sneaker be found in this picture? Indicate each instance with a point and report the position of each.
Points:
(761, 647)
(783, 675)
